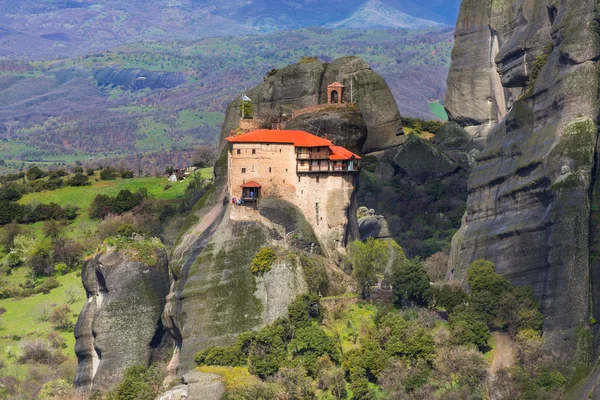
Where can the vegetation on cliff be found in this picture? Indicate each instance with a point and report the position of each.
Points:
(398, 347)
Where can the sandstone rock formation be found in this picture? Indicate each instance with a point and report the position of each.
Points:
(120, 324)
(214, 296)
(420, 160)
(526, 72)
(371, 225)
(305, 84)
(196, 386)
(345, 127)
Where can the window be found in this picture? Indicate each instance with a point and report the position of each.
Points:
(317, 179)
(284, 181)
(243, 170)
(253, 151)
(286, 170)
(269, 169)
(238, 151)
(298, 179)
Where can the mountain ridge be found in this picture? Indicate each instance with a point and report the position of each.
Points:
(29, 30)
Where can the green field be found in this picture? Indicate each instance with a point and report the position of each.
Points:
(21, 321)
(83, 196)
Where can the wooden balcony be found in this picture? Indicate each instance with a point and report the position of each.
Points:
(312, 155)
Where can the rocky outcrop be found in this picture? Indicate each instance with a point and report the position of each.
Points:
(215, 296)
(421, 160)
(196, 386)
(120, 324)
(371, 225)
(138, 79)
(527, 73)
(305, 84)
(345, 127)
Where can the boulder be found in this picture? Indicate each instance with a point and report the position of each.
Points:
(344, 127)
(305, 84)
(452, 136)
(384, 171)
(374, 226)
(120, 324)
(420, 160)
(196, 386)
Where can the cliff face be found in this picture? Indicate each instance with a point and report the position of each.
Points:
(215, 296)
(120, 324)
(525, 74)
(305, 84)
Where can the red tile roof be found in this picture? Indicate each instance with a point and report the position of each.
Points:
(341, 153)
(336, 85)
(252, 184)
(297, 138)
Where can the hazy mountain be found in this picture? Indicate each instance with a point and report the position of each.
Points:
(63, 28)
(376, 14)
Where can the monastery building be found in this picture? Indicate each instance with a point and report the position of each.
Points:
(304, 169)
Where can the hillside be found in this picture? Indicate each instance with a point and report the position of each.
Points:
(59, 28)
(161, 96)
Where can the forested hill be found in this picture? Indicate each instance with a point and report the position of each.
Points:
(64, 28)
(160, 96)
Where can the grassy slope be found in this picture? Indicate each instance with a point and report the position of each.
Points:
(21, 320)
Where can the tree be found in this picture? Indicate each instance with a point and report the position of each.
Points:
(448, 296)
(52, 229)
(61, 317)
(126, 174)
(410, 282)
(79, 179)
(8, 234)
(109, 174)
(35, 173)
(40, 258)
(267, 352)
(482, 277)
(204, 156)
(367, 259)
(469, 327)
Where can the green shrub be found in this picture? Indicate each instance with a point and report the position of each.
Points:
(61, 268)
(140, 383)
(482, 277)
(264, 258)
(109, 174)
(315, 275)
(411, 284)
(469, 327)
(125, 230)
(35, 173)
(448, 296)
(58, 389)
(79, 180)
(305, 310)
(267, 352)
(126, 174)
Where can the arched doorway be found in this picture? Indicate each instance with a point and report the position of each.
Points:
(335, 97)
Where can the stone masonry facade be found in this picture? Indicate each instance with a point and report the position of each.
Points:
(325, 194)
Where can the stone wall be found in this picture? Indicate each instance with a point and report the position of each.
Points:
(323, 198)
